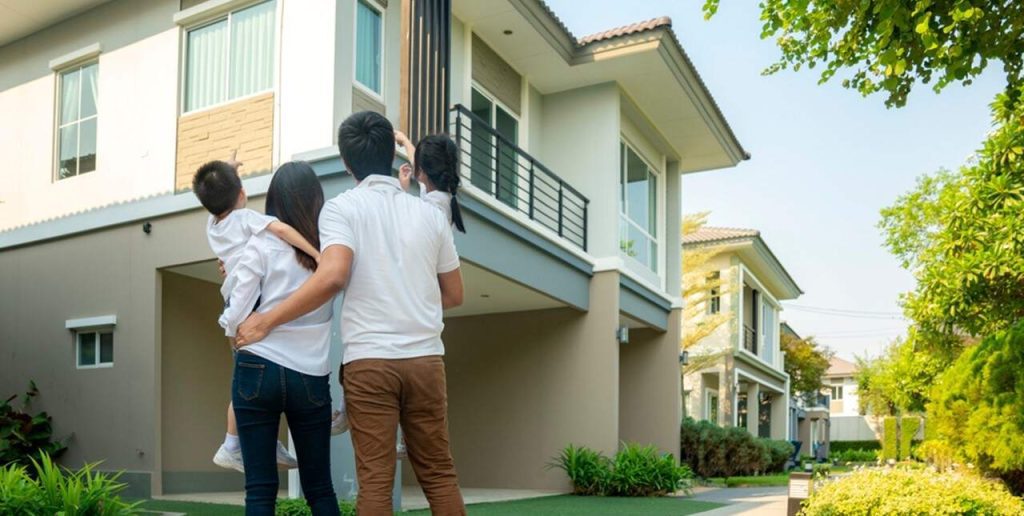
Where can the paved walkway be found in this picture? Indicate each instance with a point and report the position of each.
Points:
(748, 501)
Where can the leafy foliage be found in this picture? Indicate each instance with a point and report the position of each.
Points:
(25, 436)
(960, 233)
(936, 453)
(890, 446)
(853, 455)
(838, 446)
(714, 451)
(911, 491)
(806, 362)
(51, 490)
(891, 45)
(901, 379)
(908, 432)
(299, 507)
(634, 471)
(978, 406)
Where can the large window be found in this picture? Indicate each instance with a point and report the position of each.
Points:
(493, 165)
(94, 349)
(231, 57)
(76, 125)
(369, 46)
(638, 208)
(837, 392)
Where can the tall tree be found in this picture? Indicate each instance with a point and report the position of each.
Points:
(902, 378)
(888, 46)
(806, 363)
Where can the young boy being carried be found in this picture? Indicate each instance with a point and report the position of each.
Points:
(231, 224)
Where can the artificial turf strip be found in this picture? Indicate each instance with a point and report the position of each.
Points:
(550, 505)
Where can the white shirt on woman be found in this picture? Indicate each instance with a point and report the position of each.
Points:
(392, 304)
(268, 270)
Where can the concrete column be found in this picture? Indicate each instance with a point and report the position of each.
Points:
(780, 416)
(753, 407)
(649, 387)
(726, 388)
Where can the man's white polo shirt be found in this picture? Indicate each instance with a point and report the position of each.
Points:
(392, 304)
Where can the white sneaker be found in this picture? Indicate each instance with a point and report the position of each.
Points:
(285, 458)
(228, 459)
(400, 449)
(339, 422)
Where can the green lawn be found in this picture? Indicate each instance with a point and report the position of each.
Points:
(553, 505)
(778, 479)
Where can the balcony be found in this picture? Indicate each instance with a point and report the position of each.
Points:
(496, 166)
(749, 339)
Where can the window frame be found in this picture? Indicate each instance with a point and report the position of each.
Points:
(836, 389)
(382, 11)
(624, 145)
(77, 66)
(97, 332)
(710, 394)
(226, 16)
(714, 303)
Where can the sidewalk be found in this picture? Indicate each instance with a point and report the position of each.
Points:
(749, 501)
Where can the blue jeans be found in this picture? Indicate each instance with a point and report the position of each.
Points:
(261, 391)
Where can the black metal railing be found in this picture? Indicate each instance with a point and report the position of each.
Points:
(495, 165)
(749, 339)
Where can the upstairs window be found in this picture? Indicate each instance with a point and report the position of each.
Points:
(638, 208)
(837, 392)
(369, 46)
(76, 122)
(231, 57)
(715, 293)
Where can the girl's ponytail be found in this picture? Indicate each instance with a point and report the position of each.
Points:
(454, 180)
(437, 156)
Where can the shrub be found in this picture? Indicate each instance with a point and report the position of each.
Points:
(587, 469)
(24, 436)
(299, 507)
(911, 491)
(714, 451)
(890, 449)
(854, 456)
(635, 471)
(839, 446)
(937, 453)
(51, 490)
(908, 431)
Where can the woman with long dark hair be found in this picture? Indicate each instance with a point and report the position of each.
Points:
(287, 372)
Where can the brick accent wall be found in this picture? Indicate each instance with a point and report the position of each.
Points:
(246, 125)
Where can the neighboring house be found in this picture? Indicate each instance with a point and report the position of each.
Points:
(848, 423)
(809, 417)
(747, 385)
(573, 151)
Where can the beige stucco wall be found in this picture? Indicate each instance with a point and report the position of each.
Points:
(649, 383)
(246, 125)
(522, 386)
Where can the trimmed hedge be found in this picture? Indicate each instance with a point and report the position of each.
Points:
(911, 491)
(714, 451)
(841, 446)
(908, 430)
(890, 442)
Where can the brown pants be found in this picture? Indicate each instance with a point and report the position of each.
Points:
(379, 394)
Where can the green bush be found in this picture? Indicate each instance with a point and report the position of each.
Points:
(890, 448)
(299, 507)
(634, 471)
(588, 470)
(908, 431)
(854, 456)
(839, 446)
(50, 490)
(911, 491)
(936, 453)
(714, 451)
(24, 436)
(977, 405)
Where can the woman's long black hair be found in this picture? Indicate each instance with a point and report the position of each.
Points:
(437, 157)
(295, 197)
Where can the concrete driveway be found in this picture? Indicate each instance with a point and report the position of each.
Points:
(750, 501)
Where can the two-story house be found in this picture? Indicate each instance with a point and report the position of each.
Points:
(746, 385)
(571, 146)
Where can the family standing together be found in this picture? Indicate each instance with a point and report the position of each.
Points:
(393, 256)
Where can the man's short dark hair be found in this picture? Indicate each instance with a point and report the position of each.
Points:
(366, 142)
(217, 184)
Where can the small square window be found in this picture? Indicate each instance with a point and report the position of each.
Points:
(94, 348)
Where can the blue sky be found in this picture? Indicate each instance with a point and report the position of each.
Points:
(825, 161)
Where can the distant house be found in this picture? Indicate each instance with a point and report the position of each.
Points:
(842, 386)
(746, 386)
(810, 419)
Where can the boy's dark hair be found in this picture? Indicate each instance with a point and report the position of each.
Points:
(217, 184)
(437, 156)
(366, 142)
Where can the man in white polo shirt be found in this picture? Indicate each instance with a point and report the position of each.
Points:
(394, 256)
